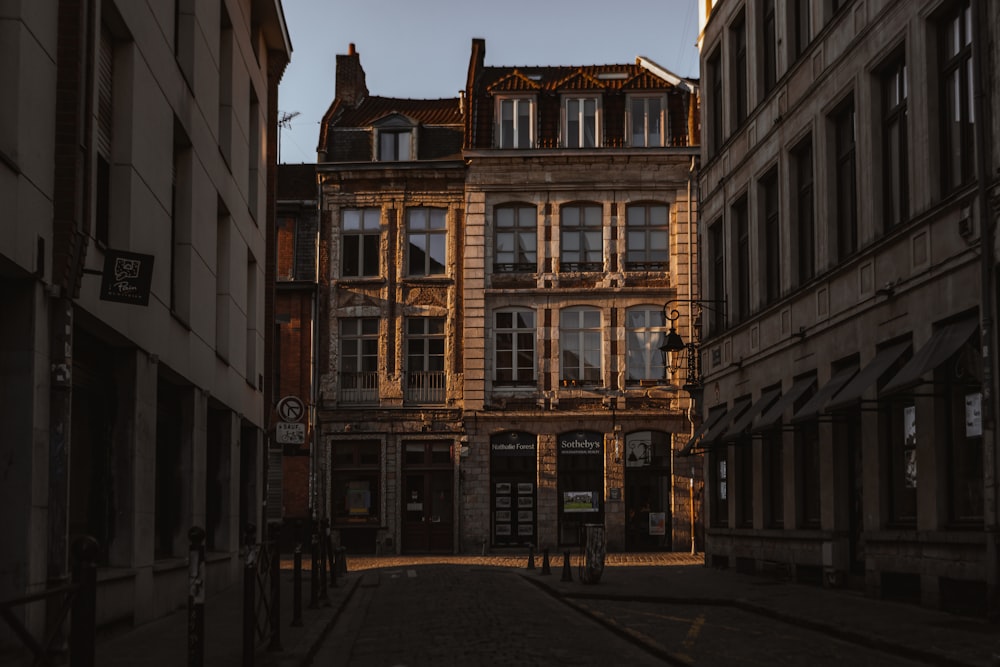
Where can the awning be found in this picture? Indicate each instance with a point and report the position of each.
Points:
(721, 426)
(815, 405)
(713, 419)
(869, 375)
(945, 342)
(743, 421)
(787, 400)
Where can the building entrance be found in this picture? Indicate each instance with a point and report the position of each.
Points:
(513, 492)
(428, 498)
(647, 491)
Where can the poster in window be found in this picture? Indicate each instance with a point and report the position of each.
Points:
(910, 468)
(973, 415)
(722, 490)
(579, 501)
(503, 488)
(503, 501)
(910, 426)
(525, 516)
(525, 501)
(503, 516)
(637, 453)
(503, 529)
(657, 523)
(359, 499)
(524, 488)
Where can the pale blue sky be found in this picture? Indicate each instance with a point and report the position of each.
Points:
(420, 48)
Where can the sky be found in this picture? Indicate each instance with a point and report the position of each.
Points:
(420, 48)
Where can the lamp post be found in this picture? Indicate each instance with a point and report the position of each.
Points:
(674, 342)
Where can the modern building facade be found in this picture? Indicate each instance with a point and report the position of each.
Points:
(137, 160)
(846, 222)
(494, 280)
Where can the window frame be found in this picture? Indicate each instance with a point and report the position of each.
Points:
(845, 179)
(517, 230)
(770, 236)
(643, 343)
(957, 146)
(644, 119)
(578, 337)
(894, 98)
(364, 237)
(805, 209)
(738, 44)
(520, 374)
(768, 46)
(647, 229)
(584, 121)
(516, 140)
(587, 259)
(397, 134)
(435, 226)
(741, 256)
(717, 274)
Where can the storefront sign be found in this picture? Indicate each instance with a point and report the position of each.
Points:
(127, 277)
(580, 443)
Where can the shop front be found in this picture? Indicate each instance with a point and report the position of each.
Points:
(647, 491)
(580, 483)
(428, 497)
(513, 497)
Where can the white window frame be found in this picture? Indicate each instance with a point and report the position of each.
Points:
(574, 333)
(644, 121)
(580, 101)
(515, 331)
(515, 140)
(643, 341)
(404, 137)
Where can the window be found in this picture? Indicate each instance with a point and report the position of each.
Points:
(226, 45)
(284, 242)
(646, 119)
(774, 469)
(355, 472)
(713, 75)
(426, 235)
(104, 135)
(717, 274)
(580, 346)
(516, 229)
(581, 122)
(900, 424)
(738, 38)
(514, 336)
(394, 145)
(741, 243)
(720, 482)
(425, 381)
(647, 241)
(845, 170)
(181, 211)
(961, 397)
(360, 244)
(805, 220)
(581, 242)
(770, 259)
(808, 467)
(580, 483)
(801, 21)
(517, 123)
(895, 188)
(958, 147)
(745, 478)
(254, 167)
(359, 339)
(769, 46)
(644, 335)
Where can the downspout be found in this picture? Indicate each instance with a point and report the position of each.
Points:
(991, 510)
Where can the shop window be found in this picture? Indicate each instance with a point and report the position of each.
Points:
(808, 469)
(774, 469)
(581, 483)
(356, 470)
(744, 470)
(718, 460)
(901, 432)
(961, 377)
(513, 491)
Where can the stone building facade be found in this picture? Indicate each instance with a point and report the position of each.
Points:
(845, 220)
(493, 305)
(143, 128)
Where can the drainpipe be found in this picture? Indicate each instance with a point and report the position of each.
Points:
(991, 511)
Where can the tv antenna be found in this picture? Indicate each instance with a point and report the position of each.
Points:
(284, 121)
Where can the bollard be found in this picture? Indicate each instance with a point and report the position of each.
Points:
(342, 560)
(297, 578)
(545, 562)
(83, 626)
(273, 538)
(333, 561)
(531, 557)
(567, 573)
(314, 569)
(324, 596)
(196, 597)
(249, 611)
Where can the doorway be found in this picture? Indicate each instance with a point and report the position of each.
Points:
(428, 498)
(647, 491)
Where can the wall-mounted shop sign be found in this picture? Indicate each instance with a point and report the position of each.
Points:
(581, 442)
(513, 444)
(127, 277)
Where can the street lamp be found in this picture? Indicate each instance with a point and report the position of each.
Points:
(674, 342)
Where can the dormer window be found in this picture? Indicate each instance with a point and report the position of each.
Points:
(395, 138)
(394, 145)
(581, 127)
(646, 121)
(516, 126)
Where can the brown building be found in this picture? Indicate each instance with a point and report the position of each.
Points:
(495, 283)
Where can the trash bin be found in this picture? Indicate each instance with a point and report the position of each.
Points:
(594, 550)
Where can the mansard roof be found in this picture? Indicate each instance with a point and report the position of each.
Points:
(425, 112)
(562, 78)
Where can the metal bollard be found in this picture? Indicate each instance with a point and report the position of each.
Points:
(324, 596)
(342, 560)
(196, 597)
(249, 610)
(567, 573)
(545, 562)
(273, 538)
(314, 570)
(83, 625)
(297, 578)
(531, 557)
(333, 561)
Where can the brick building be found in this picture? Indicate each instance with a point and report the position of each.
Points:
(494, 281)
(145, 128)
(846, 218)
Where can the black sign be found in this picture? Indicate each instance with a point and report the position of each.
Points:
(127, 277)
(513, 444)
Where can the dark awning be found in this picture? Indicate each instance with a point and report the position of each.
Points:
(743, 421)
(945, 342)
(721, 426)
(869, 375)
(819, 400)
(696, 439)
(776, 411)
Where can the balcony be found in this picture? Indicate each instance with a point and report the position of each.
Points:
(359, 388)
(425, 387)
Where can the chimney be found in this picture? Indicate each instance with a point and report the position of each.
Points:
(351, 86)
